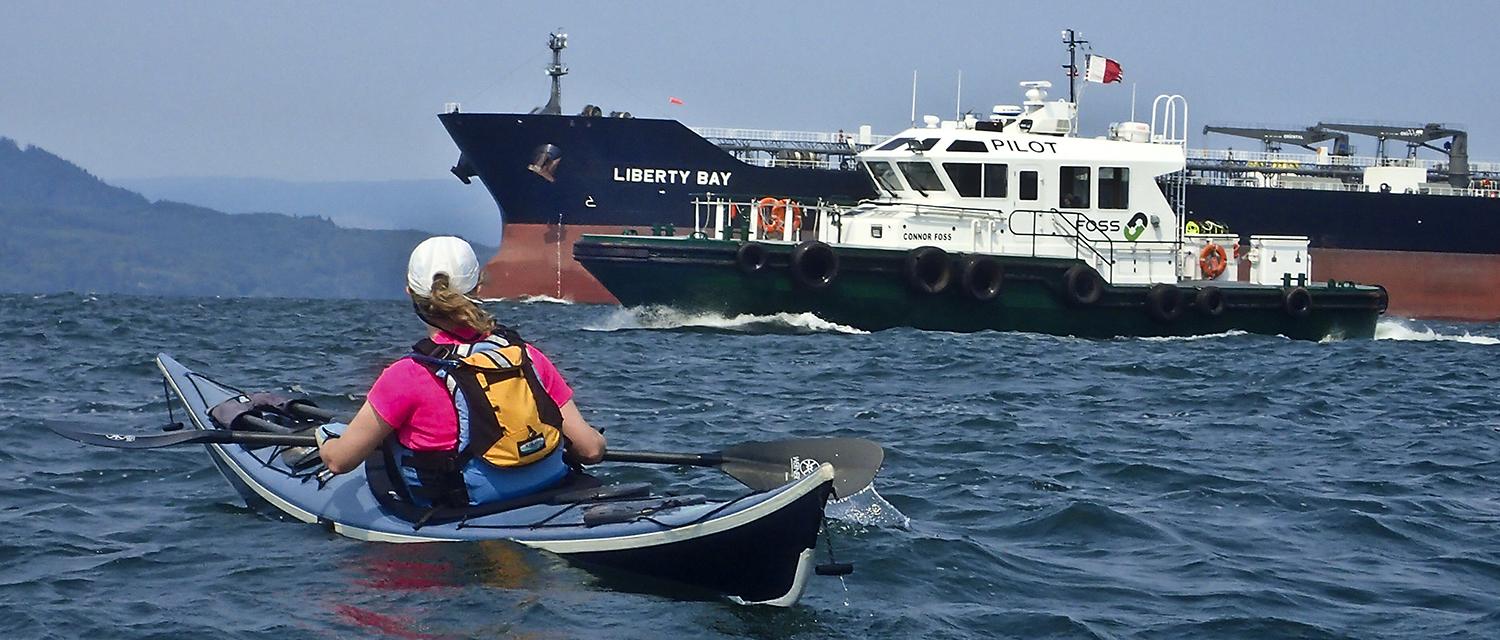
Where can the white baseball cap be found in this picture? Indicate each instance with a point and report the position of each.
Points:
(442, 254)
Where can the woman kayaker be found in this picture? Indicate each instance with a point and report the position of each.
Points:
(478, 414)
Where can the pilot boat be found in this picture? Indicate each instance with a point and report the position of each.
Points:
(1012, 222)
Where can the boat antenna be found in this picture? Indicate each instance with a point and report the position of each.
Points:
(556, 41)
(1070, 38)
(958, 101)
(913, 97)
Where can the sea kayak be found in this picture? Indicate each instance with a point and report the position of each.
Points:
(755, 548)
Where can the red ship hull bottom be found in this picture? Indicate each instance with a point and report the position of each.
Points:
(537, 260)
(1450, 286)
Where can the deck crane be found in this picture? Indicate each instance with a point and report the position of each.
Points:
(1456, 149)
(1274, 138)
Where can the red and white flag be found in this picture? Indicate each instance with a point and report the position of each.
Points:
(674, 100)
(1103, 70)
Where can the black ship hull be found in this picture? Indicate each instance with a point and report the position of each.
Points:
(575, 170)
(1355, 220)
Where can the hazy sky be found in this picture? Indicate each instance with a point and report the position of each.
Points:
(347, 91)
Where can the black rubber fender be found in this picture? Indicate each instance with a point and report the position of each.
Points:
(1165, 302)
(814, 264)
(982, 278)
(1297, 302)
(928, 270)
(1209, 301)
(751, 258)
(1082, 285)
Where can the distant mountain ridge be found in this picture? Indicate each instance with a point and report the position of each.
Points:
(63, 229)
(36, 178)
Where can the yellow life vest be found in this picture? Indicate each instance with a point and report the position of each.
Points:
(505, 416)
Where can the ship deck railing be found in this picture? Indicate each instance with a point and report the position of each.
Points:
(835, 150)
(1231, 161)
(1329, 185)
(839, 137)
(1252, 159)
(791, 149)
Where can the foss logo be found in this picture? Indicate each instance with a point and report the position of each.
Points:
(1131, 229)
(1136, 226)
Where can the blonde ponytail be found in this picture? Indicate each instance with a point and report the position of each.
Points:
(453, 307)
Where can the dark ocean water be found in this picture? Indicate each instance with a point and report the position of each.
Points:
(1223, 487)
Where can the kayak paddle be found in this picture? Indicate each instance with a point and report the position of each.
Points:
(759, 465)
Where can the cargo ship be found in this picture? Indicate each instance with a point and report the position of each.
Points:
(1428, 230)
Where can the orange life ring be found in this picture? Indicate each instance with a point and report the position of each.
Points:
(772, 215)
(1212, 260)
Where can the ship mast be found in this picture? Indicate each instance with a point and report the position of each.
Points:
(556, 41)
(1070, 38)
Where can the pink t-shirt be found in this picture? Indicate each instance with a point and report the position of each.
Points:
(410, 399)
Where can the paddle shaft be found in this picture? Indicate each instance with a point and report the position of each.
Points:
(659, 457)
(255, 438)
(641, 457)
(260, 438)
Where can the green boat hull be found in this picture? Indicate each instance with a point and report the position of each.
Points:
(871, 291)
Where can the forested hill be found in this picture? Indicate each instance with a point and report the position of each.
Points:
(62, 229)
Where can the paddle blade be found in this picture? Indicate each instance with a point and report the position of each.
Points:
(767, 465)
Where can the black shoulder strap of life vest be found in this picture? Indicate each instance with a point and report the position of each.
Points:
(547, 407)
(426, 347)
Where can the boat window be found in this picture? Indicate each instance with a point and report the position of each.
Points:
(1073, 187)
(995, 176)
(1114, 188)
(884, 175)
(972, 146)
(922, 176)
(966, 177)
(898, 144)
(1028, 185)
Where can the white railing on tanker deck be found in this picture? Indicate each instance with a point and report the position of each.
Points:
(1292, 160)
(840, 137)
(761, 159)
(769, 158)
(1430, 190)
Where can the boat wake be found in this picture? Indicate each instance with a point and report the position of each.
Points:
(667, 318)
(866, 508)
(536, 299)
(1210, 336)
(1392, 329)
